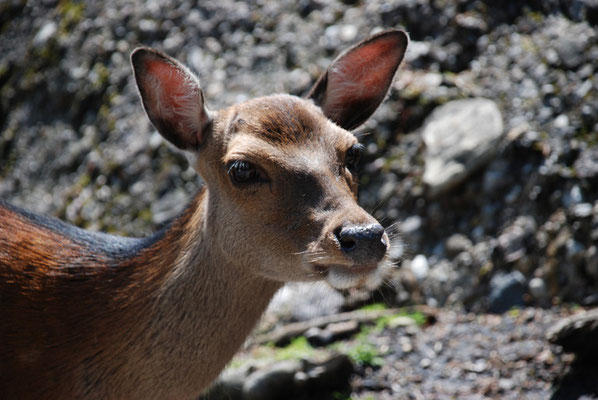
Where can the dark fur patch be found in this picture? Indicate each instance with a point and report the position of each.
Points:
(118, 247)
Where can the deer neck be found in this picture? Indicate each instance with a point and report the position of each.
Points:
(204, 277)
(204, 298)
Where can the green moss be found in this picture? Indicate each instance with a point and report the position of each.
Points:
(29, 78)
(361, 351)
(236, 363)
(145, 215)
(364, 180)
(104, 114)
(3, 68)
(71, 13)
(514, 312)
(527, 43)
(8, 8)
(102, 73)
(587, 135)
(418, 318)
(535, 16)
(297, 349)
(486, 269)
(364, 353)
(47, 55)
(84, 180)
(374, 307)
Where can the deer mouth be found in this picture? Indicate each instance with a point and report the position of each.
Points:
(350, 276)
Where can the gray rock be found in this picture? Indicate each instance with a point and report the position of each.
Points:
(573, 196)
(273, 382)
(229, 386)
(332, 374)
(513, 241)
(47, 32)
(460, 136)
(444, 284)
(148, 26)
(571, 47)
(411, 224)
(496, 176)
(420, 266)
(318, 337)
(464, 259)
(304, 301)
(331, 333)
(298, 379)
(591, 262)
(577, 334)
(506, 292)
(456, 244)
(586, 166)
(538, 289)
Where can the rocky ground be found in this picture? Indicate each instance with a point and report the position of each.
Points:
(483, 161)
(444, 355)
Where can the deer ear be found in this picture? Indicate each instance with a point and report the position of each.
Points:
(172, 98)
(357, 81)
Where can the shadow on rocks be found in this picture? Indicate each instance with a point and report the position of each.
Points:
(577, 334)
(580, 382)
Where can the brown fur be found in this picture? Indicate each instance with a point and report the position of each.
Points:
(281, 121)
(61, 301)
(92, 316)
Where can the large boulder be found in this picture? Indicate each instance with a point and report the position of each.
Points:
(460, 136)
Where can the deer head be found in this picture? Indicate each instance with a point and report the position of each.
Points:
(281, 170)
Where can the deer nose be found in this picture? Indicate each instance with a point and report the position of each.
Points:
(363, 244)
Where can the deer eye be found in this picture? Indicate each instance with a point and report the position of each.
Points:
(352, 157)
(243, 172)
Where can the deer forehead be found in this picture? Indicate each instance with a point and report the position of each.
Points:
(284, 126)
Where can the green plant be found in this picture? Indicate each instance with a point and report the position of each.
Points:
(298, 348)
(364, 353)
(514, 312)
(361, 351)
(374, 307)
(390, 320)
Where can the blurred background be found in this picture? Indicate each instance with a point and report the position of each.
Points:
(483, 160)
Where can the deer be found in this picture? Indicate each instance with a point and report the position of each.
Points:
(90, 315)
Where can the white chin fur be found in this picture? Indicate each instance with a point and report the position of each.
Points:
(342, 279)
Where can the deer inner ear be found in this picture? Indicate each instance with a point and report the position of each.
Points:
(172, 98)
(357, 81)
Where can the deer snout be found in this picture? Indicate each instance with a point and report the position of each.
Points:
(362, 244)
